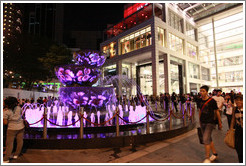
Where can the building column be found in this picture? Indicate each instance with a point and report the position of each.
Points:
(187, 77)
(117, 47)
(155, 61)
(155, 72)
(215, 56)
(164, 12)
(166, 59)
(167, 78)
(131, 79)
(185, 52)
(119, 73)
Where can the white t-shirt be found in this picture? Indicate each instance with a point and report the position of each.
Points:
(229, 107)
(15, 121)
(219, 100)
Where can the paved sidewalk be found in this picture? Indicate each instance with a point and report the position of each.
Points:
(181, 149)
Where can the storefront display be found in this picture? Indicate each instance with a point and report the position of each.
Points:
(136, 40)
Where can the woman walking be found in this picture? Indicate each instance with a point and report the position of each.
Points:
(237, 123)
(12, 117)
(228, 108)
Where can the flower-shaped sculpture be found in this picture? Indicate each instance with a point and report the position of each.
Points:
(97, 101)
(89, 58)
(87, 97)
(85, 72)
(71, 75)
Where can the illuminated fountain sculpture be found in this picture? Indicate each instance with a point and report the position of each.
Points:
(99, 103)
(80, 77)
(99, 118)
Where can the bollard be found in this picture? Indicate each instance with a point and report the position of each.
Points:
(186, 108)
(81, 129)
(155, 106)
(170, 119)
(147, 120)
(45, 124)
(133, 143)
(117, 122)
(190, 108)
(184, 115)
(193, 112)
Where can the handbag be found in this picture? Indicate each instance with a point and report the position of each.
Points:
(200, 135)
(26, 124)
(230, 138)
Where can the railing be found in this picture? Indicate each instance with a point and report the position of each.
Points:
(186, 112)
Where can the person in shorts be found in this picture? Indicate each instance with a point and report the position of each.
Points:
(208, 109)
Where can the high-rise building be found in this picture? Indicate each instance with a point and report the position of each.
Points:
(44, 19)
(12, 22)
(161, 46)
(12, 31)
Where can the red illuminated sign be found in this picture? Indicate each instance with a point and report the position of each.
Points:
(132, 9)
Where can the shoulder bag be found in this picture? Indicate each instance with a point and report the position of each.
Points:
(230, 135)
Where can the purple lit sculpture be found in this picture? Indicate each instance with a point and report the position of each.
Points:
(79, 78)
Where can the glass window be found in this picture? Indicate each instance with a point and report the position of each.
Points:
(231, 61)
(110, 50)
(137, 40)
(205, 74)
(148, 38)
(161, 36)
(232, 76)
(192, 51)
(175, 78)
(110, 70)
(127, 46)
(175, 43)
(175, 21)
(132, 47)
(190, 31)
(146, 79)
(193, 70)
(229, 47)
(143, 40)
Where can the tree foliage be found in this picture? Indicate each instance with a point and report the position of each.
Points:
(24, 58)
(33, 48)
(33, 58)
(57, 55)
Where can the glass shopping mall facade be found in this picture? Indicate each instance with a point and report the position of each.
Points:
(164, 50)
(221, 47)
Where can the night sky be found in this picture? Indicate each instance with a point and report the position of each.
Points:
(92, 16)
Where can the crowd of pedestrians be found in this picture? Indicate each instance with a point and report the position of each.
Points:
(211, 107)
(210, 111)
(218, 103)
(41, 100)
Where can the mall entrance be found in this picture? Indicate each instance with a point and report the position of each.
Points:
(144, 78)
(176, 73)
